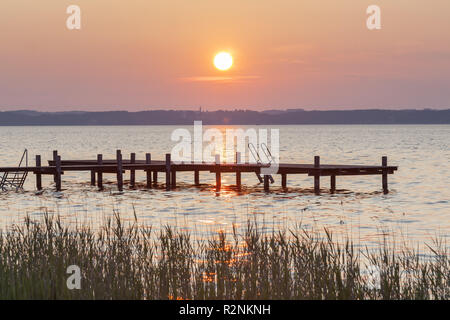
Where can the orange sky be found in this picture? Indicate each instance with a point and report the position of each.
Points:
(140, 54)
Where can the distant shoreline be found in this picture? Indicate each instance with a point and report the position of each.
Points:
(236, 117)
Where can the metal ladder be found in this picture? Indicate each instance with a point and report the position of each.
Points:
(257, 157)
(15, 180)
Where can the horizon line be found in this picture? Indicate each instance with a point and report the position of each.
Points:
(201, 109)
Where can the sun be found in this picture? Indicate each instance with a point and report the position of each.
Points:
(223, 61)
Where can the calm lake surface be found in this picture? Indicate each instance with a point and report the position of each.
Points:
(416, 211)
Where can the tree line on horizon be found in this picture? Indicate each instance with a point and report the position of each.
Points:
(220, 117)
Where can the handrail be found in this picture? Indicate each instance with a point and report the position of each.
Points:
(24, 155)
(18, 177)
(16, 174)
(253, 152)
(267, 153)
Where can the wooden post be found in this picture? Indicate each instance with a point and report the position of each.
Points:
(317, 175)
(132, 171)
(38, 174)
(196, 177)
(333, 184)
(385, 175)
(238, 173)
(92, 177)
(55, 156)
(148, 160)
(100, 172)
(218, 174)
(119, 170)
(283, 180)
(173, 183)
(266, 183)
(58, 173)
(167, 171)
(155, 178)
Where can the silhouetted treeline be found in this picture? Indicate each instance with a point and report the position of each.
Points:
(236, 117)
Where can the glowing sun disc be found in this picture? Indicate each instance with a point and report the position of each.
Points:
(223, 61)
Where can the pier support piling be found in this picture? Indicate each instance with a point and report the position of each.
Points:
(155, 178)
(92, 177)
(284, 180)
(385, 175)
(218, 174)
(173, 183)
(119, 171)
(196, 177)
(55, 156)
(58, 173)
(333, 184)
(317, 175)
(238, 173)
(148, 160)
(132, 171)
(100, 172)
(38, 174)
(266, 183)
(168, 171)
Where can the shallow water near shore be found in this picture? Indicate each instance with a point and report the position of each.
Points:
(416, 210)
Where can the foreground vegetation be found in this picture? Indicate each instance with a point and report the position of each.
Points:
(131, 262)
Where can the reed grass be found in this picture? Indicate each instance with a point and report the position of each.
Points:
(133, 262)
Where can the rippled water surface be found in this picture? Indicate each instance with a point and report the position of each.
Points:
(416, 210)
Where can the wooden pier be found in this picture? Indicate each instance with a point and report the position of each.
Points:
(119, 167)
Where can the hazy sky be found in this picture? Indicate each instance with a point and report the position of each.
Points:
(141, 54)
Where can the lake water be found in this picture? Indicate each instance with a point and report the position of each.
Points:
(416, 210)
